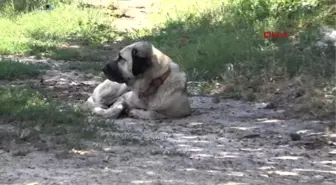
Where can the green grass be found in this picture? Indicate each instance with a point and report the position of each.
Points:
(29, 108)
(212, 40)
(10, 70)
(222, 41)
(45, 33)
(207, 38)
(30, 105)
(204, 37)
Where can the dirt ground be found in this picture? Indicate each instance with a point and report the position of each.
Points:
(223, 142)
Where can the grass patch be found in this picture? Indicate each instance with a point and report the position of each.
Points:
(216, 41)
(10, 70)
(30, 105)
(27, 108)
(45, 33)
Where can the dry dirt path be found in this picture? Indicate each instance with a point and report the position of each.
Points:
(225, 142)
(229, 142)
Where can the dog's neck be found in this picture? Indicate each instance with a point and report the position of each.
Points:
(155, 84)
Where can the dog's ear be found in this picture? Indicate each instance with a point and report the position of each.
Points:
(135, 52)
(140, 62)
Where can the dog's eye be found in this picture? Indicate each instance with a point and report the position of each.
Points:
(120, 57)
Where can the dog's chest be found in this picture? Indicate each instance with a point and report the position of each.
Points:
(153, 102)
(161, 98)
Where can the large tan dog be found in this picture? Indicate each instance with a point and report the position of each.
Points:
(143, 82)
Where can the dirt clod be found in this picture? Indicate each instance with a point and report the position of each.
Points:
(295, 137)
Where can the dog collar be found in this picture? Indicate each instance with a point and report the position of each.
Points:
(155, 84)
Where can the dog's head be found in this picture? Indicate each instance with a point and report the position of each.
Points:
(132, 61)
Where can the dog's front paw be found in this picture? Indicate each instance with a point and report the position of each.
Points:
(138, 114)
(99, 111)
(141, 114)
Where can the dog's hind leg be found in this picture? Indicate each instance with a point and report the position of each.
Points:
(146, 114)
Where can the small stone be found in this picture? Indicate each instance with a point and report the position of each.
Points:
(215, 100)
(327, 183)
(270, 106)
(318, 177)
(106, 160)
(332, 152)
(25, 133)
(20, 152)
(295, 137)
(62, 155)
(251, 136)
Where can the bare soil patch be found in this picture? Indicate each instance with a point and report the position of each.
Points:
(221, 143)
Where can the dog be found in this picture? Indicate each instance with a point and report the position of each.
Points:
(144, 83)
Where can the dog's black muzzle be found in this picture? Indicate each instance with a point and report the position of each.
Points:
(112, 72)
